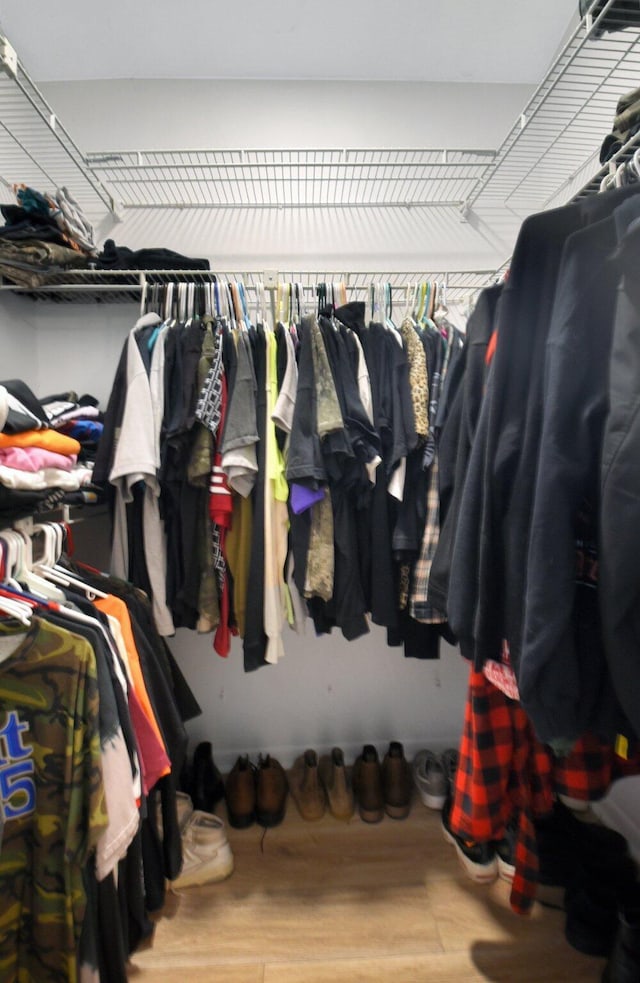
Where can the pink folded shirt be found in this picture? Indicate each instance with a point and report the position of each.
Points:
(35, 459)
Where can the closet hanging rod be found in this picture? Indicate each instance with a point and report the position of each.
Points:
(453, 204)
(127, 286)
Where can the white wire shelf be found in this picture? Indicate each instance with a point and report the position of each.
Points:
(320, 178)
(35, 148)
(127, 286)
(559, 133)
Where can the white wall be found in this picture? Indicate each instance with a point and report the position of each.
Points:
(18, 342)
(209, 114)
(326, 691)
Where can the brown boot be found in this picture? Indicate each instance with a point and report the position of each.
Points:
(337, 786)
(271, 794)
(396, 782)
(305, 787)
(367, 785)
(240, 791)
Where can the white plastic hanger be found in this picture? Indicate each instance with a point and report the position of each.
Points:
(11, 558)
(17, 609)
(26, 574)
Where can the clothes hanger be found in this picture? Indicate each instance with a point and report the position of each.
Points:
(26, 574)
(20, 610)
(65, 579)
(10, 558)
(244, 304)
(230, 307)
(261, 302)
(388, 290)
(168, 301)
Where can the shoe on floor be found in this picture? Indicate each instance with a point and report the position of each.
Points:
(449, 760)
(430, 779)
(478, 860)
(592, 918)
(397, 784)
(271, 792)
(206, 854)
(505, 851)
(367, 785)
(624, 963)
(207, 787)
(336, 784)
(305, 787)
(240, 793)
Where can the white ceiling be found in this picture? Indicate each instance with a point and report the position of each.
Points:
(411, 40)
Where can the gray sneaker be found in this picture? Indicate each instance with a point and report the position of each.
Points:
(430, 779)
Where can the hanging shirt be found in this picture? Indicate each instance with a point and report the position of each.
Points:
(53, 799)
(137, 459)
(275, 519)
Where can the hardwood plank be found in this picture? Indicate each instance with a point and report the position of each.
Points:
(499, 966)
(479, 919)
(169, 971)
(306, 923)
(436, 968)
(333, 853)
(333, 902)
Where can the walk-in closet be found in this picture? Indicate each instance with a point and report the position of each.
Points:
(319, 496)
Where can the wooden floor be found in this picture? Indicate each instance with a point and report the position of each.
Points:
(331, 902)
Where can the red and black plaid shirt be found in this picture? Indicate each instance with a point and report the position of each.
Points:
(504, 771)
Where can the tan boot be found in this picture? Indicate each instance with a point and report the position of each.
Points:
(336, 784)
(240, 793)
(305, 786)
(271, 792)
(367, 785)
(396, 782)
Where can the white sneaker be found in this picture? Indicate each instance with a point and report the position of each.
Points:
(430, 779)
(206, 854)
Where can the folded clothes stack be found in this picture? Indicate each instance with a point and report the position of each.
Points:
(78, 417)
(41, 466)
(115, 257)
(43, 235)
(626, 124)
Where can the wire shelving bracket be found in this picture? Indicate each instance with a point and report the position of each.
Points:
(35, 147)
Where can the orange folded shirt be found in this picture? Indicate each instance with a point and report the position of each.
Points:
(50, 440)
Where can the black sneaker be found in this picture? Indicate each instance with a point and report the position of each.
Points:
(449, 762)
(478, 860)
(207, 787)
(505, 850)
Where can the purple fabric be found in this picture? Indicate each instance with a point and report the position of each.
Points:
(302, 498)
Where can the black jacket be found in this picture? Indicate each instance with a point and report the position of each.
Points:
(563, 679)
(620, 490)
(457, 439)
(488, 577)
